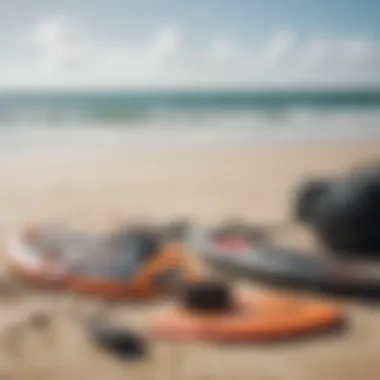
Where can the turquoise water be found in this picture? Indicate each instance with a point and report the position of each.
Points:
(53, 121)
(122, 108)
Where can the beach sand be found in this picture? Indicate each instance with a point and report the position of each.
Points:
(99, 191)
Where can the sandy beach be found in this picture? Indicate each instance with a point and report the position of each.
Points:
(98, 191)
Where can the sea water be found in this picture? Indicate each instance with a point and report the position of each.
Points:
(53, 121)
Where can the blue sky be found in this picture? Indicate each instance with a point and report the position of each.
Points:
(197, 42)
(245, 18)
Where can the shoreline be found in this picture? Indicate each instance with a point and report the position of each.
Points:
(126, 145)
(190, 148)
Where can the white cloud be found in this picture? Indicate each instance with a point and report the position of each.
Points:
(316, 53)
(61, 30)
(165, 45)
(222, 49)
(278, 47)
(359, 49)
(62, 52)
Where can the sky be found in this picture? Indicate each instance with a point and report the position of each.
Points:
(195, 44)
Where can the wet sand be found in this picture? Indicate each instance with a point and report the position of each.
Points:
(98, 191)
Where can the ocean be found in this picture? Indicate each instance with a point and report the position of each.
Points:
(53, 121)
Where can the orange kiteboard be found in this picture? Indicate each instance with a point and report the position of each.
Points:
(104, 275)
(252, 317)
(171, 266)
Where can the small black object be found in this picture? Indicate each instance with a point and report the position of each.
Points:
(307, 197)
(347, 219)
(207, 296)
(119, 342)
